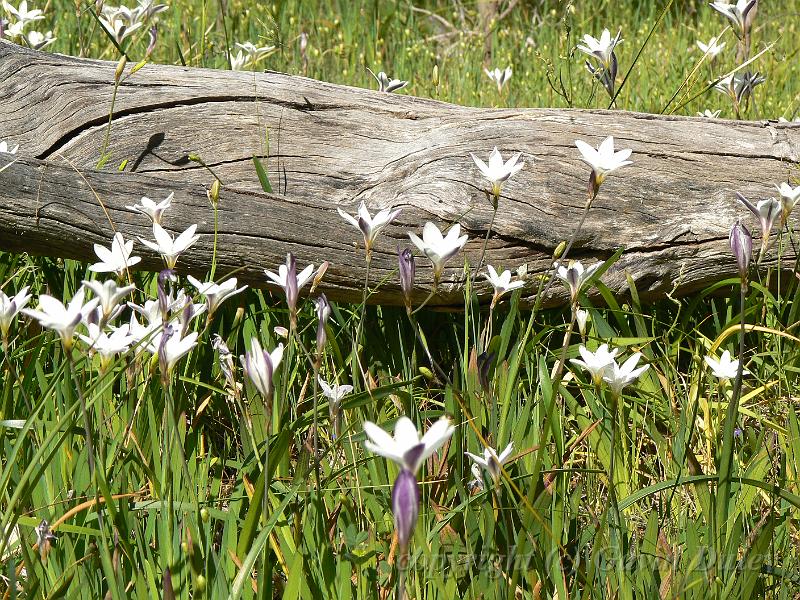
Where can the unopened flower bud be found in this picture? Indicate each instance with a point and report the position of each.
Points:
(435, 76)
(405, 507)
(560, 249)
(408, 269)
(213, 193)
(323, 312)
(742, 247)
(120, 68)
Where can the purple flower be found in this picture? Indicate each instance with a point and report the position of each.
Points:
(408, 269)
(405, 505)
(742, 247)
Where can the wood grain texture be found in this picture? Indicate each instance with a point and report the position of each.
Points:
(334, 146)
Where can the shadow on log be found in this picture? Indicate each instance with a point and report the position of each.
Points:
(334, 146)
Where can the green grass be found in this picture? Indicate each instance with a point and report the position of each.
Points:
(605, 498)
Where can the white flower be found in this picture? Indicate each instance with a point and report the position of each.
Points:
(406, 448)
(10, 306)
(499, 77)
(254, 52)
(290, 281)
(120, 21)
(575, 276)
(602, 48)
(709, 114)
(712, 48)
(215, 293)
(168, 247)
(491, 461)
(117, 259)
(147, 10)
(109, 294)
(107, 346)
(618, 377)
(52, 314)
(5, 148)
(738, 14)
(496, 171)
(767, 212)
(334, 392)
(789, 199)
(239, 60)
(501, 283)
(439, 249)
(370, 226)
(152, 209)
(259, 365)
(596, 362)
(582, 317)
(171, 345)
(387, 84)
(724, 368)
(22, 14)
(603, 160)
(38, 40)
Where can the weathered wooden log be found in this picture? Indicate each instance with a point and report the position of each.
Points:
(333, 146)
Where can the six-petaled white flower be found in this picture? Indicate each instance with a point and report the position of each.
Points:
(438, 248)
(497, 172)
(107, 346)
(10, 306)
(500, 78)
(600, 48)
(259, 365)
(216, 293)
(116, 259)
(109, 294)
(712, 48)
(52, 314)
(370, 226)
(724, 368)
(604, 160)
(740, 14)
(152, 209)
(767, 212)
(709, 114)
(501, 283)
(403, 448)
(790, 196)
(596, 362)
(171, 345)
(38, 40)
(618, 377)
(168, 247)
(574, 276)
(491, 461)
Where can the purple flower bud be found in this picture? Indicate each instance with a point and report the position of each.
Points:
(153, 38)
(742, 247)
(163, 299)
(485, 361)
(163, 361)
(323, 312)
(405, 507)
(407, 272)
(292, 292)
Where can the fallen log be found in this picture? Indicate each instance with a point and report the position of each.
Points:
(334, 146)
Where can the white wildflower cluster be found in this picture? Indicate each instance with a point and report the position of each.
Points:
(121, 21)
(18, 29)
(162, 326)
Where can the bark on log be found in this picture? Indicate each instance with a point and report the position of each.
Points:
(333, 146)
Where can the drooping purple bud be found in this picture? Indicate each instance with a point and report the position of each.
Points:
(153, 38)
(323, 312)
(408, 270)
(292, 293)
(163, 361)
(405, 508)
(163, 298)
(742, 247)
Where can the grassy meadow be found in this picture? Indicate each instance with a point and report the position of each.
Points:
(176, 469)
